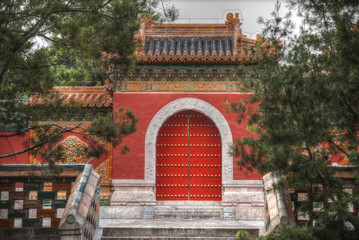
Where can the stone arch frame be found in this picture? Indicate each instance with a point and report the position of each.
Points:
(188, 104)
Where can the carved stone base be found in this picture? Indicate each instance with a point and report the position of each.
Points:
(252, 212)
(242, 192)
(244, 199)
(133, 192)
(228, 213)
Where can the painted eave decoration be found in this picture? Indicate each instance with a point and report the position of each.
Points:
(90, 97)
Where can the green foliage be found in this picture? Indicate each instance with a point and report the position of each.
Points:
(295, 233)
(111, 130)
(309, 233)
(76, 71)
(307, 93)
(242, 235)
(58, 42)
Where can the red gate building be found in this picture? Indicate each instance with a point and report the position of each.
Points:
(186, 76)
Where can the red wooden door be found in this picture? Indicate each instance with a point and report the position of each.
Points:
(172, 159)
(188, 165)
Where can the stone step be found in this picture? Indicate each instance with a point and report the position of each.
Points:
(172, 233)
(189, 203)
(170, 238)
(167, 238)
(175, 229)
(188, 212)
(29, 233)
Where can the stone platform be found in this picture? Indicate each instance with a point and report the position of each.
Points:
(181, 220)
(136, 214)
(247, 211)
(176, 228)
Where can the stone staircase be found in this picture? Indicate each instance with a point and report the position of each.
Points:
(174, 229)
(176, 221)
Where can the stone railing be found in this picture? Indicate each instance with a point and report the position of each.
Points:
(283, 207)
(81, 215)
(277, 203)
(36, 203)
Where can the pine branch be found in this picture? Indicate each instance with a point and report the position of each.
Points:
(22, 151)
(44, 126)
(338, 147)
(29, 34)
(350, 109)
(48, 38)
(64, 130)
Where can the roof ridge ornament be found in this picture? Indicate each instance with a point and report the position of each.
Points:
(233, 20)
(234, 24)
(148, 20)
(145, 22)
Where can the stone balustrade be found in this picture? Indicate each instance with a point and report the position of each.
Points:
(277, 204)
(81, 215)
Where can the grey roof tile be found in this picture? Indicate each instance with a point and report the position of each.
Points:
(196, 45)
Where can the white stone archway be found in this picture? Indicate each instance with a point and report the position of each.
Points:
(246, 195)
(177, 106)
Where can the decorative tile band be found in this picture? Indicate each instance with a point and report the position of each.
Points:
(181, 74)
(179, 87)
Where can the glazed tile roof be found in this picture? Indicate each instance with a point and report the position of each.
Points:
(92, 97)
(195, 43)
(194, 46)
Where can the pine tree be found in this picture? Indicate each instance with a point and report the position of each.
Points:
(40, 38)
(306, 93)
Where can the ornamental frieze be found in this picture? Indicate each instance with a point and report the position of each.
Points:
(74, 150)
(136, 87)
(185, 74)
(189, 87)
(104, 169)
(180, 87)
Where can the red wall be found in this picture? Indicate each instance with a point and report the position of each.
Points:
(145, 106)
(13, 144)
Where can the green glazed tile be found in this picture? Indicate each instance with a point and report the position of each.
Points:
(59, 204)
(32, 186)
(27, 222)
(5, 204)
(64, 180)
(47, 203)
(17, 214)
(46, 195)
(17, 179)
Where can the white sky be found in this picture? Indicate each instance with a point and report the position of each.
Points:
(214, 11)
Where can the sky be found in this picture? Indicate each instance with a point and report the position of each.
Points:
(214, 11)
